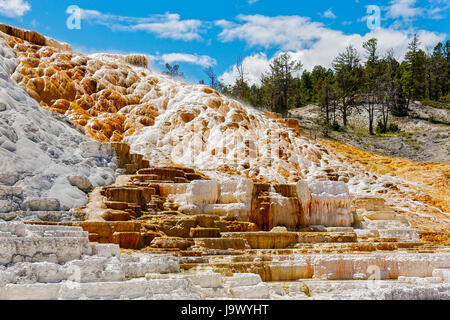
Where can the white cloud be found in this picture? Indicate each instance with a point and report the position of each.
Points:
(329, 14)
(204, 61)
(250, 2)
(14, 8)
(166, 25)
(254, 66)
(437, 9)
(287, 32)
(311, 43)
(406, 10)
(403, 9)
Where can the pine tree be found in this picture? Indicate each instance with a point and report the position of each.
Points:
(349, 75)
(280, 82)
(326, 96)
(373, 78)
(414, 75)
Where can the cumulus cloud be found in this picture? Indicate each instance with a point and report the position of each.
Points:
(329, 14)
(310, 42)
(403, 9)
(254, 66)
(14, 8)
(202, 60)
(407, 10)
(288, 32)
(168, 25)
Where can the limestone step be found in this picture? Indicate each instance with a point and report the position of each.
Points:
(144, 177)
(318, 237)
(221, 243)
(37, 249)
(127, 240)
(382, 224)
(137, 195)
(380, 215)
(116, 205)
(400, 234)
(180, 180)
(339, 229)
(163, 173)
(200, 232)
(265, 240)
(193, 176)
(171, 243)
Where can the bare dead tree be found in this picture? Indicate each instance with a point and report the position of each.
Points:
(213, 81)
(240, 80)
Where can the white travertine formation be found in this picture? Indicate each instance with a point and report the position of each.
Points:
(376, 290)
(201, 192)
(67, 266)
(238, 190)
(442, 274)
(330, 204)
(39, 150)
(284, 211)
(229, 197)
(304, 197)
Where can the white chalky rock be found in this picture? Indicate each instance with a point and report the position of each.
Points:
(38, 147)
(201, 192)
(242, 279)
(260, 291)
(9, 178)
(304, 197)
(80, 182)
(106, 250)
(206, 279)
(330, 205)
(41, 204)
(443, 274)
(236, 191)
(279, 229)
(5, 206)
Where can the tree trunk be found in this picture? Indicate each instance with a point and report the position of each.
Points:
(371, 120)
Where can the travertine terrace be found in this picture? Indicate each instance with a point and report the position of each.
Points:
(117, 182)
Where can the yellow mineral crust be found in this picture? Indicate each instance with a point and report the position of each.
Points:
(431, 181)
(104, 99)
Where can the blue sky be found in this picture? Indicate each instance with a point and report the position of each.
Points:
(199, 34)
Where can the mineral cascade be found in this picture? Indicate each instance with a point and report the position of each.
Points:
(117, 182)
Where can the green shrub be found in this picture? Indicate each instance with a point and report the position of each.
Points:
(381, 128)
(445, 99)
(443, 103)
(336, 126)
(393, 127)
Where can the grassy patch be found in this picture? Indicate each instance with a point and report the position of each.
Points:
(436, 104)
